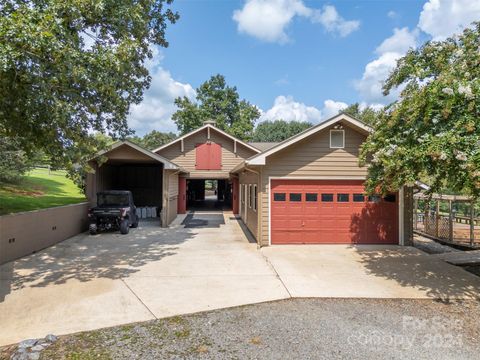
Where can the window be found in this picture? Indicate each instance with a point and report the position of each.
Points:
(390, 198)
(327, 197)
(311, 197)
(374, 198)
(255, 197)
(242, 193)
(343, 197)
(295, 197)
(337, 139)
(249, 196)
(279, 197)
(358, 198)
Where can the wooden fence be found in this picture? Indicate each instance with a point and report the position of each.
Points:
(447, 226)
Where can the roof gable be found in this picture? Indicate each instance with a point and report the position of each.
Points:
(167, 163)
(209, 127)
(260, 159)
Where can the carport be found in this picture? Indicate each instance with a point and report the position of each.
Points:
(152, 179)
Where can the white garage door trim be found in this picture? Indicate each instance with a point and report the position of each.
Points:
(401, 204)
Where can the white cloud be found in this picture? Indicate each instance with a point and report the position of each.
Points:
(268, 20)
(377, 71)
(443, 18)
(333, 22)
(332, 108)
(392, 14)
(157, 107)
(399, 42)
(286, 108)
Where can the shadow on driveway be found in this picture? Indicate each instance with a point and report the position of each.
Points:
(85, 257)
(411, 267)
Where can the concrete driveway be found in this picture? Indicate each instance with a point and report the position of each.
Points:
(89, 282)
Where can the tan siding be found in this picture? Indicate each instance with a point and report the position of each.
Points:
(251, 220)
(311, 157)
(125, 152)
(187, 159)
(172, 197)
(172, 209)
(173, 185)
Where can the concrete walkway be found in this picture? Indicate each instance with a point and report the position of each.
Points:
(89, 282)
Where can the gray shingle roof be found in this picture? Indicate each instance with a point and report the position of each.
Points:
(263, 146)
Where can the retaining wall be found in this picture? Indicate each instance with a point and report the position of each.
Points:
(27, 232)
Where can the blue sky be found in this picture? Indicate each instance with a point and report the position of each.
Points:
(294, 59)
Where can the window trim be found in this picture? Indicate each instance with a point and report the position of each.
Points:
(255, 197)
(343, 138)
(250, 196)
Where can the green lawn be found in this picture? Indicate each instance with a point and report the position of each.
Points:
(39, 190)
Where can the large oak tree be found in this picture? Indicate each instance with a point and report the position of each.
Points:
(69, 68)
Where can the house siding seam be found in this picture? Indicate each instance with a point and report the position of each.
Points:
(310, 157)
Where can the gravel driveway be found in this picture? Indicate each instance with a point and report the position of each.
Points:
(293, 329)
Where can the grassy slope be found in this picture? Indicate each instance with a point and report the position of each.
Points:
(39, 190)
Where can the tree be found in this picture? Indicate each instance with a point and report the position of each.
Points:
(13, 162)
(216, 101)
(433, 131)
(153, 139)
(278, 130)
(70, 68)
(366, 114)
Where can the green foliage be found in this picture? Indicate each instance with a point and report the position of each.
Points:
(39, 189)
(433, 131)
(366, 114)
(13, 162)
(153, 139)
(78, 172)
(216, 101)
(70, 67)
(278, 130)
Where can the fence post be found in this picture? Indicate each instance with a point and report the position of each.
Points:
(415, 215)
(426, 211)
(450, 221)
(472, 223)
(437, 217)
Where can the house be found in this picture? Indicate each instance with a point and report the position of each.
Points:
(306, 189)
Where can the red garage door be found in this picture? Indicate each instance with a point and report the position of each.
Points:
(331, 212)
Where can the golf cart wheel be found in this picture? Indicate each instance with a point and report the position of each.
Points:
(124, 228)
(92, 229)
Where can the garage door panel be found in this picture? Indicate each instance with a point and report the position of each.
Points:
(335, 218)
